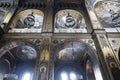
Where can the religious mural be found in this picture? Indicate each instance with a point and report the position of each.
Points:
(43, 71)
(69, 21)
(44, 55)
(90, 42)
(110, 56)
(59, 60)
(22, 50)
(115, 44)
(108, 13)
(27, 21)
(74, 50)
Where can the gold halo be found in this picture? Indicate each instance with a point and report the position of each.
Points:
(43, 67)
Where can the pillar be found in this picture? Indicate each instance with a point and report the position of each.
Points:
(109, 64)
(48, 19)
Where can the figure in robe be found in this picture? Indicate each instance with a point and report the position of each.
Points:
(43, 74)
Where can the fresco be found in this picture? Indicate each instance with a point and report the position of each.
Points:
(27, 21)
(26, 52)
(69, 21)
(43, 71)
(90, 42)
(74, 50)
(108, 13)
(21, 50)
(115, 43)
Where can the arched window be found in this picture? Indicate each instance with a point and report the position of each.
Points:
(69, 73)
(71, 62)
(27, 21)
(64, 76)
(26, 76)
(17, 61)
(108, 13)
(69, 76)
(69, 21)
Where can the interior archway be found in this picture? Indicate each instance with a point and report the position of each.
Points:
(73, 54)
(69, 72)
(18, 59)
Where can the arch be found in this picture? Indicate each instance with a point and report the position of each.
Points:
(72, 22)
(21, 57)
(30, 20)
(87, 49)
(12, 45)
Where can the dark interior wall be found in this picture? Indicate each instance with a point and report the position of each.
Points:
(4, 67)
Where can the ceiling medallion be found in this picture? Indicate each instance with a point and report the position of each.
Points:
(29, 21)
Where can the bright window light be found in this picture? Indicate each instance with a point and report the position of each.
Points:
(64, 76)
(26, 76)
(73, 76)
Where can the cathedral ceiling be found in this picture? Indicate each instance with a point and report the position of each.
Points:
(72, 52)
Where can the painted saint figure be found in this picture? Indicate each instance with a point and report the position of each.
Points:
(43, 72)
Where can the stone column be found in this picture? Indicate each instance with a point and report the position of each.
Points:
(51, 65)
(42, 69)
(48, 19)
(109, 65)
